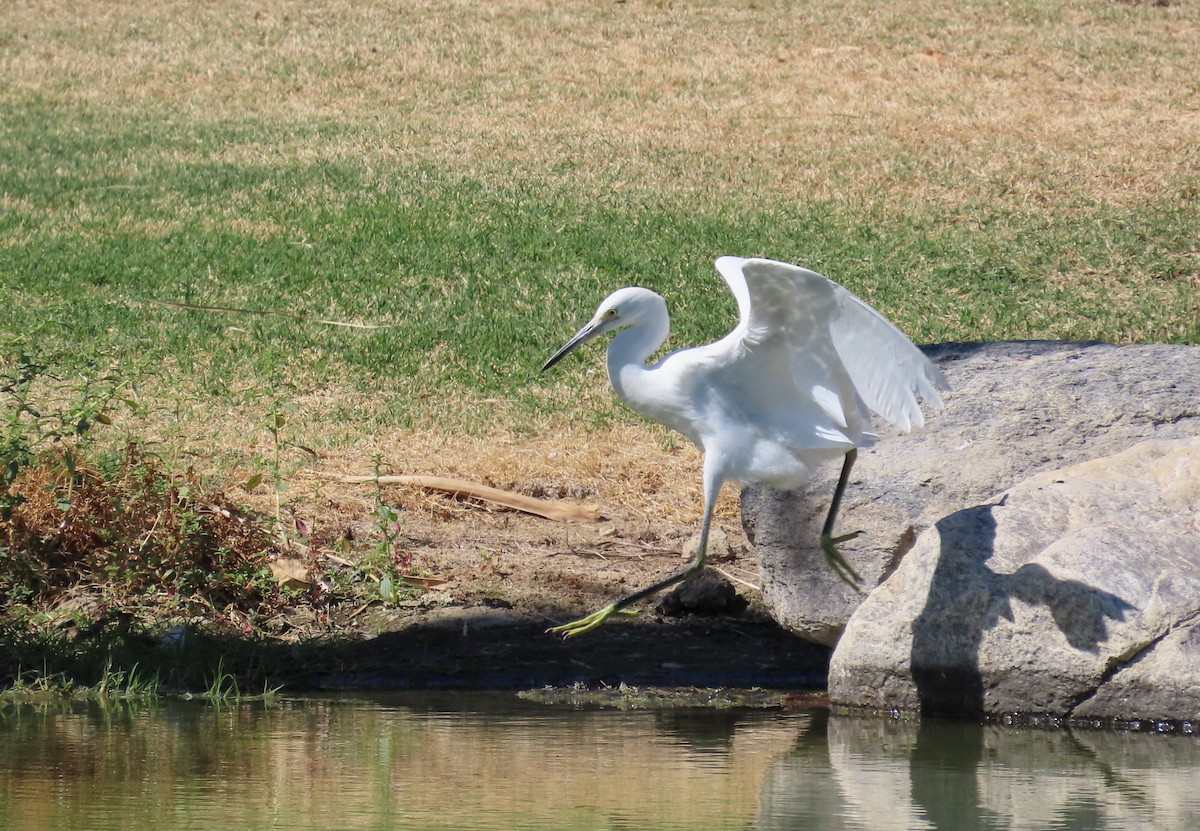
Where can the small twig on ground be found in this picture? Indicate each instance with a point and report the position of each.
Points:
(196, 307)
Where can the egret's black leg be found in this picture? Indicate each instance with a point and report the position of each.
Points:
(828, 541)
(590, 622)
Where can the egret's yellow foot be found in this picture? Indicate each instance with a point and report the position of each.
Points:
(587, 624)
(829, 546)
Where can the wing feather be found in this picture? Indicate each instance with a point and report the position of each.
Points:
(842, 352)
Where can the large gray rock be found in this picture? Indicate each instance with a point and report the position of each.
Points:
(1016, 409)
(1076, 593)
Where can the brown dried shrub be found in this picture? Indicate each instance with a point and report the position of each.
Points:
(133, 535)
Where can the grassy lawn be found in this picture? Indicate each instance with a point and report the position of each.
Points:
(473, 178)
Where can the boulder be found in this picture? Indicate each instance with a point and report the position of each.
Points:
(1017, 409)
(1075, 593)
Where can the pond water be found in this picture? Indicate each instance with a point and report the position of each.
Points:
(495, 762)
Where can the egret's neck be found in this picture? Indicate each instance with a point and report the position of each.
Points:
(627, 356)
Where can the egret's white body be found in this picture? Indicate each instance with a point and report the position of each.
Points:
(790, 387)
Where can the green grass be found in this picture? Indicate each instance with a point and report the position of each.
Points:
(479, 282)
(116, 659)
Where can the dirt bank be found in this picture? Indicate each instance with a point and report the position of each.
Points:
(497, 578)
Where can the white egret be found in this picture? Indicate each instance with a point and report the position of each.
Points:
(787, 389)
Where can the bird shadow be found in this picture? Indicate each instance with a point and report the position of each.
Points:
(967, 598)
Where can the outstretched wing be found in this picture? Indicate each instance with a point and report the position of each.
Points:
(836, 348)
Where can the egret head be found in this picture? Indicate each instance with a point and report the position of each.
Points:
(622, 308)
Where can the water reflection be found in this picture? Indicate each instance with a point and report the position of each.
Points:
(493, 762)
(872, 774)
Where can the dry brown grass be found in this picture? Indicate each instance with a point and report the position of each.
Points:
(645, 481)
(130, 539)
(642, 477)
(988, 101)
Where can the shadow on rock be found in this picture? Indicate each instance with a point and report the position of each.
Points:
(966, 598)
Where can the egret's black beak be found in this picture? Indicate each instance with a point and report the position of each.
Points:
(593, 329)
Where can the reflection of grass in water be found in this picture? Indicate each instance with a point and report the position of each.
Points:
(430, 759)
(366, 762)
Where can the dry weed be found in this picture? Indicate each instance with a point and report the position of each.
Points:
(134, 537)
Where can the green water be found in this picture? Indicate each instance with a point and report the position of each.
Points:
(495, 762)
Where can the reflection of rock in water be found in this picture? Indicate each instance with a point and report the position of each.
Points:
(887, 775)
(800, 790)
(877, 795)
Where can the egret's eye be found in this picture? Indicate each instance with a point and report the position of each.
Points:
(611, 312)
